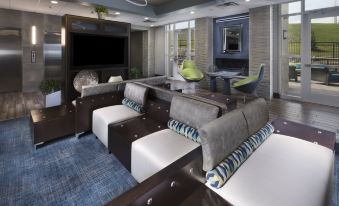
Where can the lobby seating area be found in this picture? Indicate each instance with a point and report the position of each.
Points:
(169, 103)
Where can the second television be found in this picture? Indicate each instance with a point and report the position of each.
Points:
(98, 51)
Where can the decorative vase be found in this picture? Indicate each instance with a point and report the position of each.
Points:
(53, 99)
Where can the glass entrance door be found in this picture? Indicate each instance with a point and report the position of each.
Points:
(180, 46)
(321, 57)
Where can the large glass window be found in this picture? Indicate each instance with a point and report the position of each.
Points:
(320, 4)
(180, 44)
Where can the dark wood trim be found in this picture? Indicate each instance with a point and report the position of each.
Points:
(304, 132)
(158, 187)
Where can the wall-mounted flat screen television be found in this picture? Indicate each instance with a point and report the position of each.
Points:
(98, 51)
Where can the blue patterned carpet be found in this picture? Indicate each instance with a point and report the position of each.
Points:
(68, 172)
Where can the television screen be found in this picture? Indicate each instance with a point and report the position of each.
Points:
(94, 50)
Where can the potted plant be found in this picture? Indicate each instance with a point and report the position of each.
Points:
(135, 73)
(51, 90)
(101, 11)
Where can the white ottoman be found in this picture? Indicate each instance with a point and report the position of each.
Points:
(156, 151)
(113, 114)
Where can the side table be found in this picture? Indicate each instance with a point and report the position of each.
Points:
(52, 123)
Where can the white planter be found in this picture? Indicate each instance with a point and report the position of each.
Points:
(53, 99)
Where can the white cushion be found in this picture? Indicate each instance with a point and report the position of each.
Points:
(107, 115)
(282, 171)
(115, 79)
(156, 151)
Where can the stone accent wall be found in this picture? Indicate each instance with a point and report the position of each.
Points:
(260, 47)
(148, 56)
(32, 73)
(204, 47)
(145, 53)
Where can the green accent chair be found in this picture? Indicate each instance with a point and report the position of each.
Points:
(248, 85)
(190, 72)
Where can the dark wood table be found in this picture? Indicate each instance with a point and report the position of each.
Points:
(226, 76)
(308, 133)
(52, 123)
(231, 102)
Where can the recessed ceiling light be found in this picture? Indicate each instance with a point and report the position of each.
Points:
(54, 2)
(192, 12)
(152, 25)
(146, 18)
(117, 13)
(247, 0)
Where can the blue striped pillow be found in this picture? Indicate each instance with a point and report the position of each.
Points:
(185, 130)
(133, 105)
(220, 174)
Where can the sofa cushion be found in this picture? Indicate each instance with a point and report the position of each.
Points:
(184, 130)
(258, 138)
(282, 171)
(156, 151)
(221, 137)
(256, 115)
(136, 93)
(192, 112)
(133, 105)
(108, 115)
(219, 175)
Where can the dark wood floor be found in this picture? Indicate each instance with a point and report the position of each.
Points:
(14, 105)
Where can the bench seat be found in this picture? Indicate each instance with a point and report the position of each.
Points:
(156, 151)
(282, 171)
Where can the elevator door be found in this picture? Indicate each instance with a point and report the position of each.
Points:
(10, 60)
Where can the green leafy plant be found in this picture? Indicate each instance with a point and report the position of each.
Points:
(49, 86)
(135, 73)
(101, 10)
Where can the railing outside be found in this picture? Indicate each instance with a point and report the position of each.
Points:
(322, 52)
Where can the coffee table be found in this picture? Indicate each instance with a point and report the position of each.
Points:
(52, 123)
(226, 76)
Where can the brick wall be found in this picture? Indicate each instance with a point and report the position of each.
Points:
(204, 46)
(260, 46)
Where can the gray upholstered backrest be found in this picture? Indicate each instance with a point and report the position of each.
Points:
(191, 112)
(136, 93)
(103, 88)
(221, 137)
(256, 115)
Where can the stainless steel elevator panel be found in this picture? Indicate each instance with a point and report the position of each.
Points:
(52, 56)
(10, 60)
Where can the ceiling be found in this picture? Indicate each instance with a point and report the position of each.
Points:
(157, 2)
(161, 11)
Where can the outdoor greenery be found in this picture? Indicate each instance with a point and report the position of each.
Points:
(49, 86)
(320, 33)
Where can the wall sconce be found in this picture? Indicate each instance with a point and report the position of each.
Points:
(63, 36)
(33, 35)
